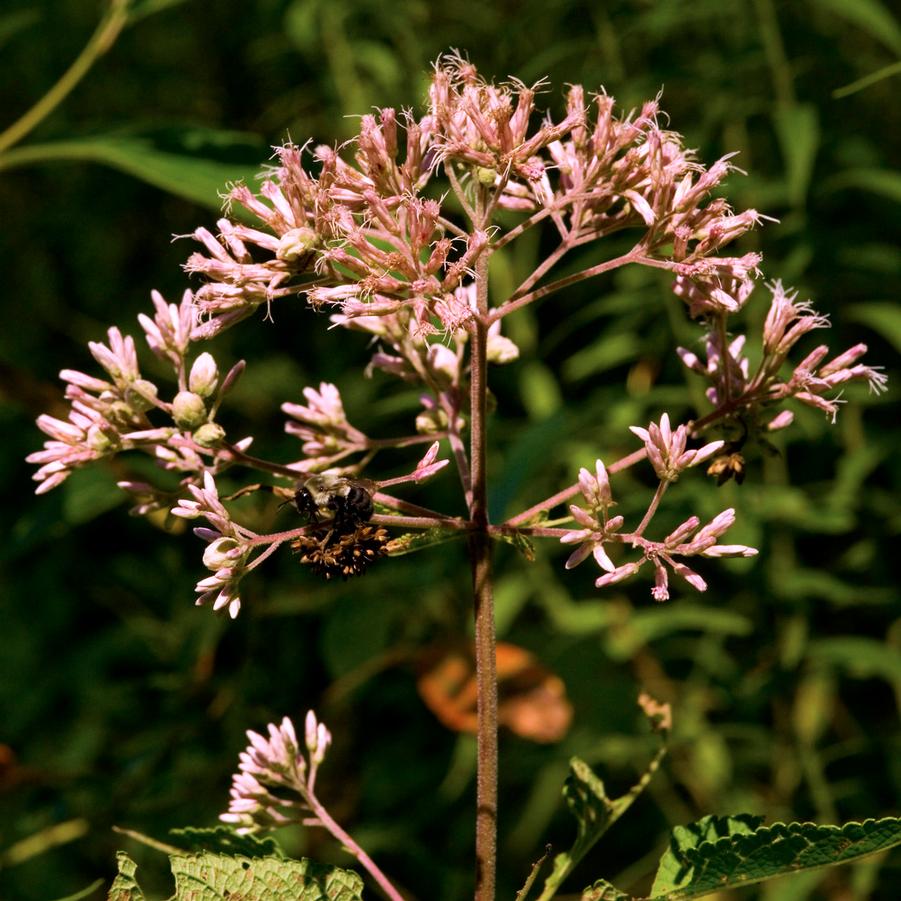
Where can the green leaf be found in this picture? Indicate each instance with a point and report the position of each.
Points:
(12, 23)
(216, 877)
(125, 887)
(885, 182)
(798, 129)
(718, 853)
(411, 542)
(603, 354)
(870, 79)
(625, 638)
(862, 658)
(224, 840)
(183, 162)
(882, 318)
(140, 9)
(670, 869)
(870, 16)
(88, 493)
(595, 813)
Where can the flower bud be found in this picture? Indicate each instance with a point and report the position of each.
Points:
(204, 375)
(209, 434)
(233, 375)
(296, 243)
(444, 364)
(500, 349)
(188, 410)
(142, 395)
(430, 421)
(221, 553)
(486, 176)
(120, 413)
(99, 440)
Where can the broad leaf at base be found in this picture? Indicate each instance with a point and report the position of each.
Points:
(719, 853)
(215, 877)
(745, 854)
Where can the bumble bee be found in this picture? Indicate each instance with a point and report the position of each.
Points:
(340, 502)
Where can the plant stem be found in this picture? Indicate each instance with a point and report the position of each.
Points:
(327, 823)
(103, 38)
(652, 508)
(480, 557)
(562, 496)
(514, 304)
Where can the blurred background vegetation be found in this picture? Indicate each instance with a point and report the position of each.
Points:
(122, 704)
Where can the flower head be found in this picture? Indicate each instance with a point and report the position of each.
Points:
(275, 781)
(227, 552)
(597, 528)
(666, 448)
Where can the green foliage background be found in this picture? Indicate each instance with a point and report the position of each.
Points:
(122, 704)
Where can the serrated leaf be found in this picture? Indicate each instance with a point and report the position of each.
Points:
(217, 877)
(702, 859)
(587, 800)
(410, 542)
(595, 813)
(125, 887)
(224, 840)
(670, 870)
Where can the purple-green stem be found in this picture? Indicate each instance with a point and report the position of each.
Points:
(652, 508)
(483, 601)
(323, 819)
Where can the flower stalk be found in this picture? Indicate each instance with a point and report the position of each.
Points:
(483, 604)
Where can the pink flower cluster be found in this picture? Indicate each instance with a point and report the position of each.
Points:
(360, 236)
(690, 539)
(363, 232)
(275, 782)
(105, 415)
(227, 551)
(811, 381)
(108, 416)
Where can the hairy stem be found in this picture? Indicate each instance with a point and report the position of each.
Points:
(652, 508)
(327, 823)
(480, 557)
(562, 496)
(546, 265)
(517, 302)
